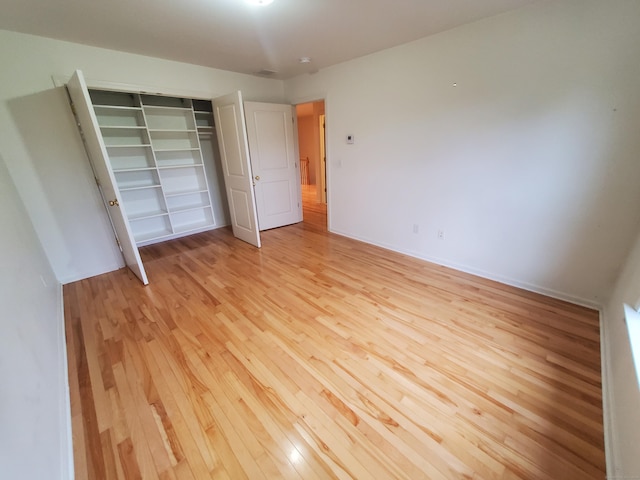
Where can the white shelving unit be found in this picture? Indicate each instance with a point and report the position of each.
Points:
(155, 155)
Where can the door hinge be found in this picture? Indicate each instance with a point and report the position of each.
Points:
(118, 243)
(97, 181)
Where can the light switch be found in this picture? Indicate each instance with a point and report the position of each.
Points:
(350, 139)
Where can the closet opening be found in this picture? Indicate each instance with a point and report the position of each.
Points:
(155, 161)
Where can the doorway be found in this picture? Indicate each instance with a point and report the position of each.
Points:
(311, 143)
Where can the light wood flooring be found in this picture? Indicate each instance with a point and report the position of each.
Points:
(318, 357)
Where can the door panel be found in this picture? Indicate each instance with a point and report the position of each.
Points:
(274, 162)
(279, 199)
(234, 151)
(99, 159)
(241, 208)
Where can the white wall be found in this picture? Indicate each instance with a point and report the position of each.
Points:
(620, 381)
(529, 165)
(34, 402)
(43, 151)
(308, 143)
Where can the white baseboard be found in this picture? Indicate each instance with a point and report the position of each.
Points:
(608, 413)
(576, 300)
(66, 434)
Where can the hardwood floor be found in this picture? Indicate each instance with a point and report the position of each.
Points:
(322, 357)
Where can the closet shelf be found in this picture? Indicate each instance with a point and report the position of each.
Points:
(142, 187)
(172, 130)
(121, 127)
(129, 146)
(187, 208)
(192, 226)
(184, 192)
(153, 235)
(175, 149)
(162, 107)
(186, 165)
(140, 169)
(118, 107)
(151, 214)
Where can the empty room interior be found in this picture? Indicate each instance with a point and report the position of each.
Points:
(320, 239)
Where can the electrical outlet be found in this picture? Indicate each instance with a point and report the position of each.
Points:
(440, 234)
(416, 228)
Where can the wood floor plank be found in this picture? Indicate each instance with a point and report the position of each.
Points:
(317, 357)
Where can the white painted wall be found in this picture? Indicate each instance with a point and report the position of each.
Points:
(34, 401)
(529, 165)
(620, 381)
(43, 151)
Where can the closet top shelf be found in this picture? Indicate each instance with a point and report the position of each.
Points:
(117, 107)
(162, 107)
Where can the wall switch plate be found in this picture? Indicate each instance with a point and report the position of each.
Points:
(350, 140)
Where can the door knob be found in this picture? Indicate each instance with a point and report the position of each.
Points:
(257, 177)
(113, 203)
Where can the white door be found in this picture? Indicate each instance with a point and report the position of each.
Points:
(99, 158)
(274, 162)
(234, 151)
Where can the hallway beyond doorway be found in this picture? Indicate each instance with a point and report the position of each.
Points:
(313, 212)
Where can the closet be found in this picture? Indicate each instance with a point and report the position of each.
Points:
(152, 157)
(154, 152)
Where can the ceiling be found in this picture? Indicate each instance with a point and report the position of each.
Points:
(233, 35)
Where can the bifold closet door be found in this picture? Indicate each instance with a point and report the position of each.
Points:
(234, 152)
(98, 156)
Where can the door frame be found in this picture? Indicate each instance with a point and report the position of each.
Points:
(322, 163)
(327, 148)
